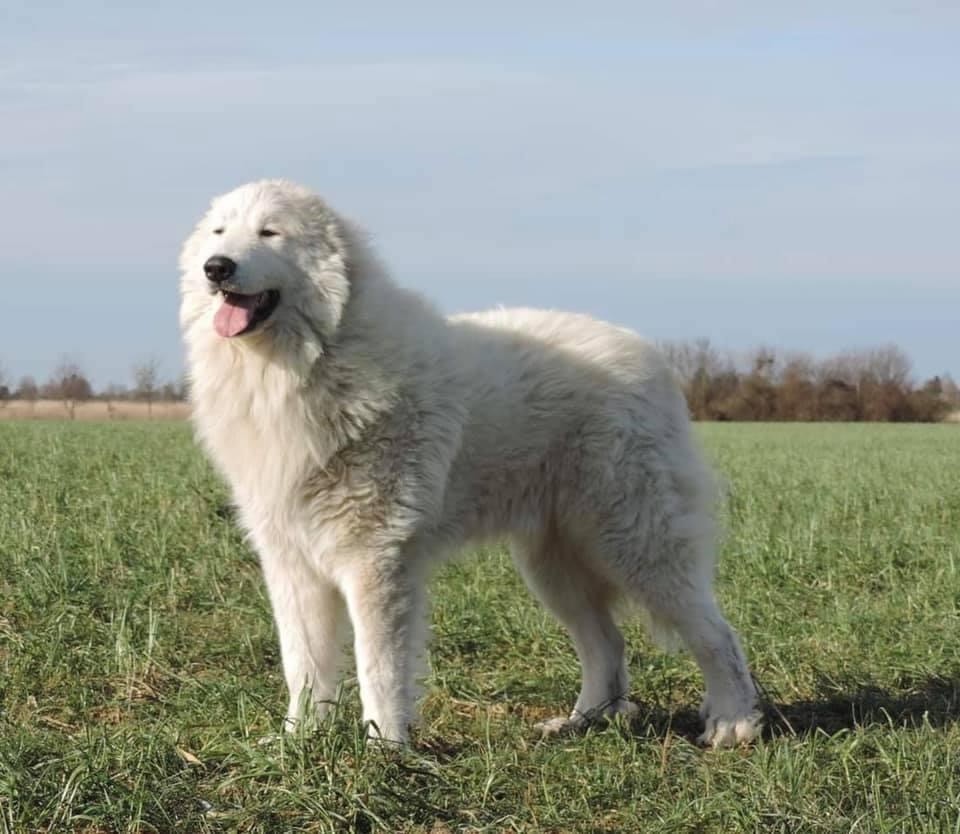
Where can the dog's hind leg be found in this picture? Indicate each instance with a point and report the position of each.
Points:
(582, 602)
(657, 536)
(679, 598)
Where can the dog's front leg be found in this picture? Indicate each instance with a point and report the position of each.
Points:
(309, 613)
(385, 599)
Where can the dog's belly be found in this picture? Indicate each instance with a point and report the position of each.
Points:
(500, 486)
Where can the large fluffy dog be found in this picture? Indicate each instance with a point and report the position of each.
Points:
(365, 437)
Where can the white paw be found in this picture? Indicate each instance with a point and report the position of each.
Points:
(578, 721)
(731, 730)
(390, 735)
(621, 707)
(559, 725)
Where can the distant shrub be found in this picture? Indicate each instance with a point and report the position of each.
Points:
(872, 385)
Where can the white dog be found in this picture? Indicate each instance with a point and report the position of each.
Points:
(365, 437)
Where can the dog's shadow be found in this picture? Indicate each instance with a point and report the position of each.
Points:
(934, 701)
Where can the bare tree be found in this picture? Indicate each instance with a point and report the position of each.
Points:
(169, 392)
(883, 384)
(872, 384)
(951, 391)
(28, 391)
(927, 404)
(113, 391)
(111, 394)
(890, 366)
(680, 357)
(708, 378)
(146, 376)
(756, 394)
(4, 387)
(70, 385)
(797, 394)
(762, 361)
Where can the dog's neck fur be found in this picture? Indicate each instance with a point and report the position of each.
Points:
(326, 391)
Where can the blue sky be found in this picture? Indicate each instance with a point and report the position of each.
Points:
(746, 172)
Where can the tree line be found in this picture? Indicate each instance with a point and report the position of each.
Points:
(69, 384)
(876, 384)
(867, 385)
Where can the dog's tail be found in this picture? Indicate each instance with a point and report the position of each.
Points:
(694, 524)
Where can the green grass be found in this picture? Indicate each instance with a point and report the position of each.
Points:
(139, 672)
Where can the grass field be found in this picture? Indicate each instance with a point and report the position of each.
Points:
(140, 683)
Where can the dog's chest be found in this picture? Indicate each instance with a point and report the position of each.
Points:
(262, 451)
(353, 496)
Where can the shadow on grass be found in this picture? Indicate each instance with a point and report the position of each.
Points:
(934, 701)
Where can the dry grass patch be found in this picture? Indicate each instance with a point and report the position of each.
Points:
(94, 410)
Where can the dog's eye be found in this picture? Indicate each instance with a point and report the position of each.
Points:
(218, 230)
(268, 233)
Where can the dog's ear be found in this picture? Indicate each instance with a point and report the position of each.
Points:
(326, 262)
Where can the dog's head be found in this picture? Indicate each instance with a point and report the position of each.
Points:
(268, 259)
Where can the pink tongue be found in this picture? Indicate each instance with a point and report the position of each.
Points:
(235, 314)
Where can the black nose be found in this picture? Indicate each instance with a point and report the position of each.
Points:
(219, 268)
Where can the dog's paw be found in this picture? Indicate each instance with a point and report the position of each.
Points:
(579, 721)
(560, 725)
(731, 730)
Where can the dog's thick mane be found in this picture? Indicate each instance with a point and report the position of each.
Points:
(319, 392)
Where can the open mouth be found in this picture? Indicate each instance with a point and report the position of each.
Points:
(240, 314)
